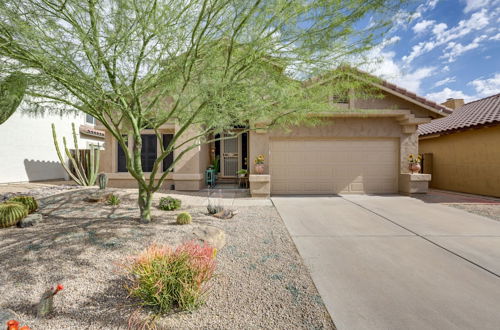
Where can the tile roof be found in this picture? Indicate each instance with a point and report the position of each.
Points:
(477, 113)
(89, 130)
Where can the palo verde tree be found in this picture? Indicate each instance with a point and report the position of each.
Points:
(209, 64)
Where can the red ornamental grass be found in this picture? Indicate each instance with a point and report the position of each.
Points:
(167, 279)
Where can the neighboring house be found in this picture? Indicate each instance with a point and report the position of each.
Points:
(27, 151)
(352, 151)
(462, 151)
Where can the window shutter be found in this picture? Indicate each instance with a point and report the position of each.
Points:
(148, 152)
(122, 160)
(170, 158)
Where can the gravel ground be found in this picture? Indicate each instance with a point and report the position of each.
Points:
(261, 281)
(34, 189)
(491, 211)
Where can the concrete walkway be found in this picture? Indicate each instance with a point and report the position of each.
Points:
(395, 262)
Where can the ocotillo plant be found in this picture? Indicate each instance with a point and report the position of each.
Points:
(85, 167)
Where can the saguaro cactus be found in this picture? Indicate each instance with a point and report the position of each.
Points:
(85, 167)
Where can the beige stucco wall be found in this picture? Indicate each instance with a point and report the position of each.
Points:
(467, 161)
(390, 101)
(340, 128)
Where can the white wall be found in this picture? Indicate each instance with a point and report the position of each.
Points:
(27, 151)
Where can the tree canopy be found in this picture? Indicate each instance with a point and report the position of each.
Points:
(134, 64)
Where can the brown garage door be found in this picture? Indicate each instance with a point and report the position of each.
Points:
(331, 166)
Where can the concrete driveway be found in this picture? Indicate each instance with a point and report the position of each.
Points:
(395, 262)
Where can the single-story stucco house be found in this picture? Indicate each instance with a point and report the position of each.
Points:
(351, 151)
(462, 150)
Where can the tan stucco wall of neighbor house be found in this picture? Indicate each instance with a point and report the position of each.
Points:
(188, 172)
(467, 161)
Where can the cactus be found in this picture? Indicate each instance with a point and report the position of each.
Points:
(184, 218)
(11, 213)
(102, 180)
(28, 201)
(46, 304)
(12, 91)
(85, 168)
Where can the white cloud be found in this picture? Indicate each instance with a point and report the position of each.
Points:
(387, 68)
(472, 5)
(446, 68)
(445, 81)
(447, 93)
(488, 86)
(496, 37)
(456, 49)
(439, 28)
(422, 26)
(476, 22)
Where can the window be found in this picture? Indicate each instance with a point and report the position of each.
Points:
(122, 160)
(170, 158)
(148, 152)
(89, 119)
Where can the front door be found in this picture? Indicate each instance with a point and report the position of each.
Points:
(230, 160)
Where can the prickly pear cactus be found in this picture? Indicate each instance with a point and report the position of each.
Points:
(28, 201)
(102, 179)
(11, 213)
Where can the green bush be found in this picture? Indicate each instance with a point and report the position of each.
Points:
(184, 218)
(169, 204)
(11, 213)
(168, 280)
(113, 200)
(28, 201)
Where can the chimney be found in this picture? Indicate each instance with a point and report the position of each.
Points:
(453, 103)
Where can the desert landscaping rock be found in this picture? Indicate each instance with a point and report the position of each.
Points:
(260, 280)
(210, 235)
(30, 220)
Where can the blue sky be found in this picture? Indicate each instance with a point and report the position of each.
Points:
(444, 48)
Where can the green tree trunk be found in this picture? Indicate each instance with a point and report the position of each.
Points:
(145, 201)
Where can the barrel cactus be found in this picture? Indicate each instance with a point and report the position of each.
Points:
(184, 218)
(102, 179)
(28, 201)
(11, 213)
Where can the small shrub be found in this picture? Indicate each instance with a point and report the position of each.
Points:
(169, 203)
(168, 280)
(11, 213)
(28, 201)
(113, 200)
(184, 218)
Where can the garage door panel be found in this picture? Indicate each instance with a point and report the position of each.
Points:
(334, 166)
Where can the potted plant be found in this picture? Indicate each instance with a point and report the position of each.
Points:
(259, 164)
(414, 161)
(242, 173)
